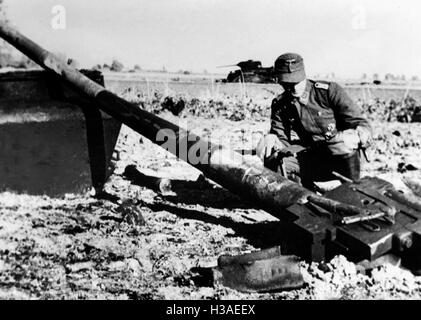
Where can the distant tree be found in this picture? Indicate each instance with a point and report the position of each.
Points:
(137, 68)
(25, 63)
(389, 77)
(9, 56)
(2, 12)
(97, 67)
(117, 66)
(181, 71)
(376, 76)
(414, 78)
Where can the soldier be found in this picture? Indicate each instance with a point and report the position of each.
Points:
(318, 117)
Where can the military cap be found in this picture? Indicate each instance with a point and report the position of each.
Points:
(289, 67)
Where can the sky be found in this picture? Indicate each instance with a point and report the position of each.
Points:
(347, 37)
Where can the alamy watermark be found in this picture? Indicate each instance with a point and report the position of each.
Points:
(196, 150)
(58, 20)
(359, 18)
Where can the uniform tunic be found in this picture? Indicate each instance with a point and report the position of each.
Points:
(323, 109)
(316, 117)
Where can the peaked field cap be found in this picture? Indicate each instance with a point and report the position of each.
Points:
(289, 67)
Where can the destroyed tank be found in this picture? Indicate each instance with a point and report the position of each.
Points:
(362, 220)
(251, 71)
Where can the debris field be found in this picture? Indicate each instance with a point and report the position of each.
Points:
(142, 243)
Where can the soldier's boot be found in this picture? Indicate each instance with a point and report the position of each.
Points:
(349, 166)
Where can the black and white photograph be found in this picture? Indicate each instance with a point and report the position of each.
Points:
(210, 150)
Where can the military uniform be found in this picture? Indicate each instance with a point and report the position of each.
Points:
(316, 117)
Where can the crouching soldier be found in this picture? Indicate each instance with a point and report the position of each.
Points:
(318, 118)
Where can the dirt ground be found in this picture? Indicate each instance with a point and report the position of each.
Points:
(145, 245)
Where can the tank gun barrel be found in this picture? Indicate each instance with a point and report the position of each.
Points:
(219, 163)
(228, 66)
(314, 233)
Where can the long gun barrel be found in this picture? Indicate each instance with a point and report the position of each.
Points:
(383, 220)
(219, 163)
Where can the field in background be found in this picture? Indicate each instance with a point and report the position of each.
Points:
(205, 86)
(203, 96)
(149, 246)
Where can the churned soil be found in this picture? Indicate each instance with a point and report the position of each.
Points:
(140, 243)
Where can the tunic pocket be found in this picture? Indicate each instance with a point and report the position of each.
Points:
(326, 121)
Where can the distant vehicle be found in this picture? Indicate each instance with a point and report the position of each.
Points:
(250, 71)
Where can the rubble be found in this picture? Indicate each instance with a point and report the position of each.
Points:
(117, 258)
(178, 235)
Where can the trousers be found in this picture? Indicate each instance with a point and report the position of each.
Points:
(316, 164)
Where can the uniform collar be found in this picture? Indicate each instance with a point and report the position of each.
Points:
(304, 97)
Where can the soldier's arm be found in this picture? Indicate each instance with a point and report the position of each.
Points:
(348, 115)
(277, 125)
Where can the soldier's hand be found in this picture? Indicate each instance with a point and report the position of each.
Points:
(267, 145)
(344, 142)
(365, 137)
(351, 139)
